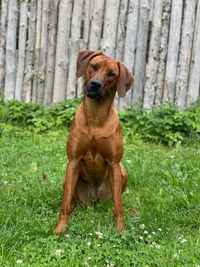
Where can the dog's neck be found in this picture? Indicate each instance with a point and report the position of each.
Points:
(97, 112)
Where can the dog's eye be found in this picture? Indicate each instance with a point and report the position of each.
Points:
(93, 67)
(111, 75)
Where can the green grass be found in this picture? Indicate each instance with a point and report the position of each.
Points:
(163, 197)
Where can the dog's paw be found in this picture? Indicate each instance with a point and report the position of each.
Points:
(60, 228)
(120, 224)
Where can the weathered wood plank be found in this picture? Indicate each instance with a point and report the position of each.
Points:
(51, 50)
(37, 49)
(163, 51)
(96, 25)
(43, 52)
(10, 71)
(22, 52)
(173, 50)
(140, 58)
(108, 42)
(121, 35)
(153, 58)
(87, 17)
(194, 77)
(185, 53)
(3, 28)
(74, 48)
(29, 69)
(130, 45)
(121, 32)
(62, 44)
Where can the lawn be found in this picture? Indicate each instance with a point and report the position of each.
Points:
(161, 203)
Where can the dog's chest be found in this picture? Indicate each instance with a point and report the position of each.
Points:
(93, 167)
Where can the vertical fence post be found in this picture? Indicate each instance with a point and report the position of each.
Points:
(173, 50)
(163, 51)
(140, 58)
(130, 45)
(51, 50)
(153, 57)
(21, 48)
(108, 42)
(194, 77)
(3, 26)
(62, 44)
(185, 53)
(96, 25)
(74, 48)
(11, 37)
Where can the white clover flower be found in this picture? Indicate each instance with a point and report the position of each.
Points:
(146, 232)
(99, 234)
(89, 243)
(98, 245)
(91, 234)
(153, 233)
(183, 240)
(67, 235)
(127, 191)
(89, 258)
(154, 245)
(141, 238)
(19, 261)
(59, 251)
(128, 161)
(110, 264)
(176, 256)
(149, 236)
(142, 226)
(159, 229)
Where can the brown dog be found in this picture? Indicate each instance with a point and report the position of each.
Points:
(95, 146)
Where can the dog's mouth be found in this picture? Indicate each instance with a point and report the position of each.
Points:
(92, 94)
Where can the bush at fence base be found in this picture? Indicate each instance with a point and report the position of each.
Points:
(165, 124)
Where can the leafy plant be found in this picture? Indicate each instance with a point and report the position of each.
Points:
(166, 124)
(38, 118)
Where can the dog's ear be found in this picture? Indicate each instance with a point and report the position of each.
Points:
(125, 80)
(84, 57)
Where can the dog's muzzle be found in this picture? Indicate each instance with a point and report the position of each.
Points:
(94, 89)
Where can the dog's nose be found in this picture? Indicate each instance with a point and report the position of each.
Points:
(96, 84)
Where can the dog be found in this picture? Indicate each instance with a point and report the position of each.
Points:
(95, 146)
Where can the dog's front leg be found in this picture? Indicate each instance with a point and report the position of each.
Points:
(72, 174)
(117, 188)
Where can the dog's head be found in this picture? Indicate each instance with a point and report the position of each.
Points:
(103, 75)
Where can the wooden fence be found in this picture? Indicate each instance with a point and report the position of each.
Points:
(159, 40)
